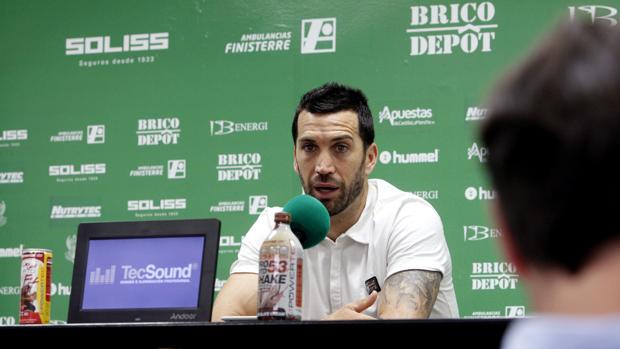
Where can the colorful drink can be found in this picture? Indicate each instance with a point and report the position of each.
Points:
(36, 282)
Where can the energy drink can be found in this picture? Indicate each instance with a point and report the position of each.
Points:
(36, 282)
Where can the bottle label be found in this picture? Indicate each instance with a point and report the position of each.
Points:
(279, 292)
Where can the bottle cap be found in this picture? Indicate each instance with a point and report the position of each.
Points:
(283, 217)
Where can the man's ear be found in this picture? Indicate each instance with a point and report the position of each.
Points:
(507, 240)
(371, 158)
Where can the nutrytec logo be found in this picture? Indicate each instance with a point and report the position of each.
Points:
(158, 131)
(393, 157)
(12, 138)
(475, 114)
(105, 44)
(444, 29)
(257, 203)
(494, 275)
(236, 167)
(228, 206)
(11, 252)
(473, 193)
(95, 134)
(406, 117)
(149, 274)
(225, 127)
(318, 35)
(60, 212)
(480, 232)
(11, 177)
(260, 42)
(596, 13)
(477, 152)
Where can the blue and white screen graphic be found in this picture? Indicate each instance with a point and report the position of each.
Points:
(143, 273)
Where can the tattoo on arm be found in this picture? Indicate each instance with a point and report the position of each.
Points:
(409, 294)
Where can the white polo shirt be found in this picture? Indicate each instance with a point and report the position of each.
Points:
(397, 231)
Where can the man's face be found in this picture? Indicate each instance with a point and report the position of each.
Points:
(330, 158)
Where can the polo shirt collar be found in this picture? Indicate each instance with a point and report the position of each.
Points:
(360, 231)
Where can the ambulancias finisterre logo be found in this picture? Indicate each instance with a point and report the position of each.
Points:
(447, 28)
(318, 35)
(95, 134)
(3, 219)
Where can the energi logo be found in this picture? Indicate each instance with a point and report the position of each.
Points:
(318, 35)
(102, 44)
(176, 169)
(257, 203)
(158, 131)
(225, 127)
(597, 13)
(234, 167)
(463, 26)
(11, 177)
(478, 152)
(479, 232)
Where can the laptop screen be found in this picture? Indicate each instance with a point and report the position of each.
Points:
(148, 271)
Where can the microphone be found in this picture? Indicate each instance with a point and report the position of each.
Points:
(309, 219)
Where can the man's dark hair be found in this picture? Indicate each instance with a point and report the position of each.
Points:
(334, 98)
(553, 136)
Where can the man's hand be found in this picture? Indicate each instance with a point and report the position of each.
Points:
(353, 311)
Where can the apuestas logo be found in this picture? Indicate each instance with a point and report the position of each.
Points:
(407, 117)
(240, 166)
(13, 135)
(151, 205)
(228, 206)
(479, 232)
(61, 212)
(257, 203)
(73, 170)
(11, 177)
(473, 193)
(494, 275)
(443, 29)
(103, 44)
(95, 134)
(597, 13)
(318, 35)
(479, 152)
(11, 252)
(475, 114)
(225, 127)
(158, 131)
(386, 157)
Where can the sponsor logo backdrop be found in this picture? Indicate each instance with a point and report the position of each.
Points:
(167, 110)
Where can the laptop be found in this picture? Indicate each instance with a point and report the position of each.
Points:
(147, 271)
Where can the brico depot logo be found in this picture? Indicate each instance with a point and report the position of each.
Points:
(480, 232)
(12, 138)
(66, 212)
(156, 208)
(11, 177)
(406, 117)
(257, 203)
(11, 252)
(477, 152)
(393, 157)
(237, 167)
(77, 173)
(479, 193)
(595, 13)
(475, 114)
(158, 131)
(318, 35)
(493, 275)
(225, 127)
(228, 206)
(445, 29)
(70, 243)
(95, 134)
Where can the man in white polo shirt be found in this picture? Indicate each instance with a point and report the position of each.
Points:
(376, 229)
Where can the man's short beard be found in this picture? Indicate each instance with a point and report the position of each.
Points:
(348, 195)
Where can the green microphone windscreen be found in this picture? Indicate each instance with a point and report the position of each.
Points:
(309, 219)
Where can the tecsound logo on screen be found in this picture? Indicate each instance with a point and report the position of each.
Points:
(393, 157)
(406, 117)
(493, 275)
(444, 29)
(149, 274)
(11, 177)
(236, 167)
(158, 131)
